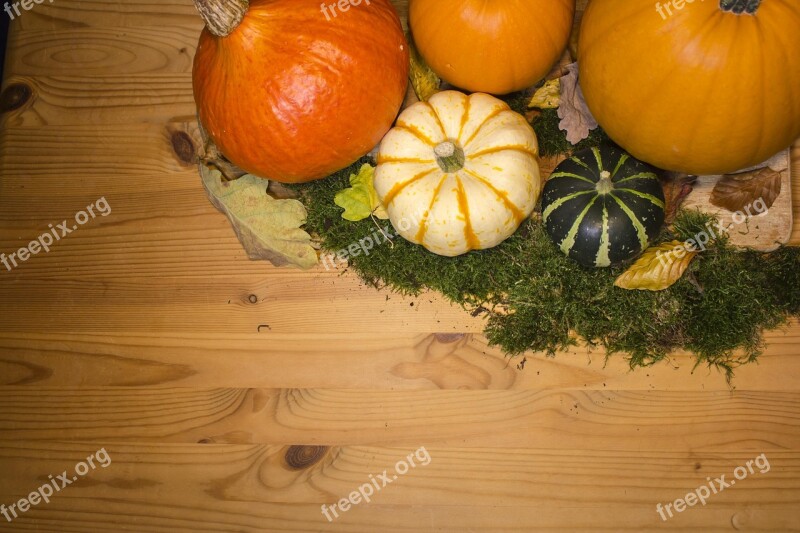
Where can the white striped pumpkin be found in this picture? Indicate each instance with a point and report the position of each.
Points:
(458, 172)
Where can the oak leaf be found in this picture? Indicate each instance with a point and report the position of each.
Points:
(658, 268)
(361, 200)
(576, 119)
(268, 229)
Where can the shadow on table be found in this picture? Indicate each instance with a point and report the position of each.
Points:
(3, 38)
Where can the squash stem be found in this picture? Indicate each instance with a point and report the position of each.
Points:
(605, 185)
(738, 7)
(450, 156)
(222, 16)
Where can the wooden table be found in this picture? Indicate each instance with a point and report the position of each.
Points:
(233, 396)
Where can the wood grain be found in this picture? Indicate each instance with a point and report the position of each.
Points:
(259, 488)
(393, 361)
(559, 419)
(234, 396)
(764, 232)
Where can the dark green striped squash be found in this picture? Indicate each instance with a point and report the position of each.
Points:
(602, 206)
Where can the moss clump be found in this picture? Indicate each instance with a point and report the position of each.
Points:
(553, 141)
(538, 299)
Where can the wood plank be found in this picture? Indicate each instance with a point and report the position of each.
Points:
(260, 488)
(101, 51)
(764, 231)
(103, 100)
(77, 14)
(598, 420)
(286, 305)
(70, 155)
(390, 361)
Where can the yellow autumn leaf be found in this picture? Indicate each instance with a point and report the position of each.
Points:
(423, 79)
(548, 96)
(361, 200)
(658, 268)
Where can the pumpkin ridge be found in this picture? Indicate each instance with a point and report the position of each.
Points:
(561, 201)
(436, 117)
(398, 187)
(570, 175)
(569, 240)
(496, 149)
(416, 133)
(519, 216)
(423, 224)
(494, 114)
(599, 158)
(579, 161)
(639, 176)
(621, 162)
(603, 259)
(641, 232)
(412, 160)
(465, 116)
(644, 196)
(469, 234)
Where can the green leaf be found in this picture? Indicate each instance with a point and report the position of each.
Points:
(267, 228)
(360, 200)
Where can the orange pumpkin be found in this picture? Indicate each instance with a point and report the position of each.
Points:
(709, 88)
(293, 92)
(491, 46)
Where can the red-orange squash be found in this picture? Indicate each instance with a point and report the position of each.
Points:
(491, 46)
(292, 92)
(709, 87)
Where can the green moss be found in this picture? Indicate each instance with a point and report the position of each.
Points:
(537, 299)
(553, 141)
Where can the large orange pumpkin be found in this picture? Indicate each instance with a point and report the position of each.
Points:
(491, 46)
(709, 88)
(291, 92)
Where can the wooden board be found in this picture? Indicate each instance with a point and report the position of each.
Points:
(233, 396)
(758, 226)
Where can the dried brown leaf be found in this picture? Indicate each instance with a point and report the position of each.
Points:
(677, 186)
(268, 229)
(738, 192)
(576, 119)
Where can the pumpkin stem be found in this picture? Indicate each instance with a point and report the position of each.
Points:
(222, 16)
(605, 185)
(737, 7)
(450, 156)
